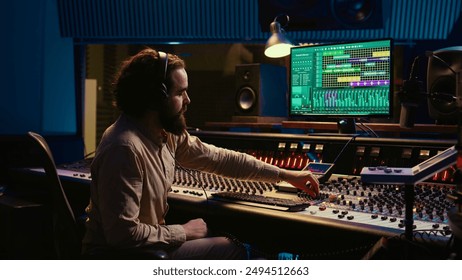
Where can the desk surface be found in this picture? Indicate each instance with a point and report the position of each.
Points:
(16, 203)
(332, 126)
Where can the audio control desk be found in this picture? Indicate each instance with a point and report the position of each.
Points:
(344, 222)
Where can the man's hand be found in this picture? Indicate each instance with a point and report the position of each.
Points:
(303, 180)
(195, 229)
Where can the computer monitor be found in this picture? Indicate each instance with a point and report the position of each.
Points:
(342, 80)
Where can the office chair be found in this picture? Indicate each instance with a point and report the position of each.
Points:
(67, 231)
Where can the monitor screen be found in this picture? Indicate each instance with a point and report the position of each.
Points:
(351, 79)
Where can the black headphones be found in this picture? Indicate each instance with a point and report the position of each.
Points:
(163, 62)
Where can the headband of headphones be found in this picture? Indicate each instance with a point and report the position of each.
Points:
(163, 62)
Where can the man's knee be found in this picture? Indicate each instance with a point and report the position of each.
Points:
(230, 249)
(211, 248)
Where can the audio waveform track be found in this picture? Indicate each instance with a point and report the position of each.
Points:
(344, 79)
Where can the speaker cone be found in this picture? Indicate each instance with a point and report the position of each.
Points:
(444, 85)
(353, 12)
(246, 99)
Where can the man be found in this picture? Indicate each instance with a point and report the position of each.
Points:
(134, 165)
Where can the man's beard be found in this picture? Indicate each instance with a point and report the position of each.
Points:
(173, 123)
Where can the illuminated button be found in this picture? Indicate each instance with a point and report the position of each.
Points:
(375, 152)
(319, 148)
(424, 154)
(407, 153)
(293, 146)
(360, 151)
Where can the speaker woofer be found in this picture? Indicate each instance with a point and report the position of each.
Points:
(447, 109)
(353, 13)
(260, 90)
(246, 99)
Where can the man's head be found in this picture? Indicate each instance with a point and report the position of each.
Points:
(139, 88)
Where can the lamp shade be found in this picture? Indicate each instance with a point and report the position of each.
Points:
(277, 45)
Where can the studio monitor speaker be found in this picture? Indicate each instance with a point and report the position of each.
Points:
(441, 83)
(261, 90)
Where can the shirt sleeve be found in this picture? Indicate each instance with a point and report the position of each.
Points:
(192, 153)
(120, 186)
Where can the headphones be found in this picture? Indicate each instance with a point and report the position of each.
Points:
(163, 62)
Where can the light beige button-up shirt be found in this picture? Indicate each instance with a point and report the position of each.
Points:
(132, 175)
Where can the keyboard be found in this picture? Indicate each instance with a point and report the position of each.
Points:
(284, 204)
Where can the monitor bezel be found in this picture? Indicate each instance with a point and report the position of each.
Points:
(319, 116)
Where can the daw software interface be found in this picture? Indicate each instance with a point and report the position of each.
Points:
(342, 79)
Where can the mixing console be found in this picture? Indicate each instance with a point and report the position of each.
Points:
(342, 198)
(345, 201)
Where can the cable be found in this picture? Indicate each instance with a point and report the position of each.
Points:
(363, 129)
(368, 128)
(413, 72)
(89, 154)
(343, 149)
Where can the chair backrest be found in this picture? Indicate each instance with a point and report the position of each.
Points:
(67, 240)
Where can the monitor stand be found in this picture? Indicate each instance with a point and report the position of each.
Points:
(346, 126)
